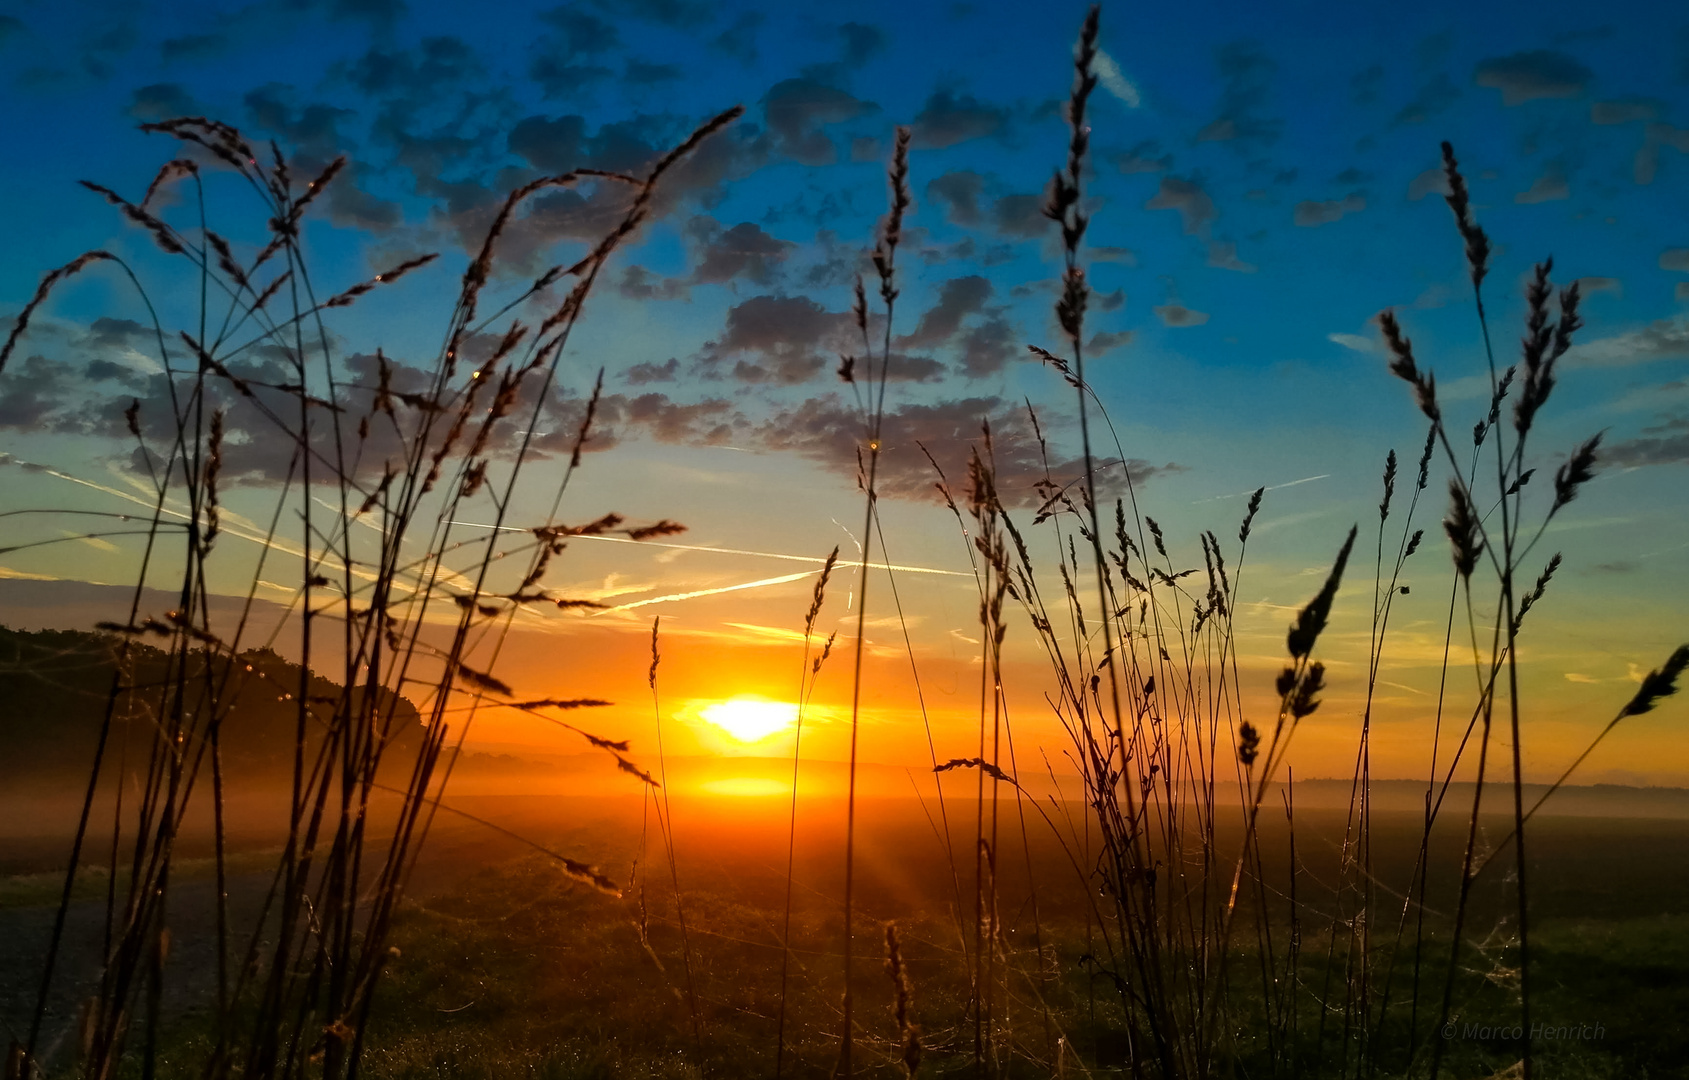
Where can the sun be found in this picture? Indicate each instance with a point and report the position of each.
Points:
(750, 720)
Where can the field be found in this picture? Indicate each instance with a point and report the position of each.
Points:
(507, 968)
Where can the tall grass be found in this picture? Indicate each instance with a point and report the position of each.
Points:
(391, 596)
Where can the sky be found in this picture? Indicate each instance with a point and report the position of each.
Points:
(1264, 181)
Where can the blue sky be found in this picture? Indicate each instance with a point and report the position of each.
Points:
(1263, 182)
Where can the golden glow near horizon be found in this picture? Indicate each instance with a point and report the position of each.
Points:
(750, 719)
(746, 786)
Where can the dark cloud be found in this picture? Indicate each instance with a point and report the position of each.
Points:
(36, 396)
(192, 47)
(1246, 72)
(1434, 97)
(828, 430)
(310, 129)
(1626, 111)
(798, 109)
(1147, 156)
(1196, 209)
(1648, 157)
(958, 298)
(1663, 339)
(710, 422)
(1548, 187)
(638, 72)
(161, 101)
(10, 27)
(109, 333)
(1106, 341)
(1176, 314)
(948, 118)
(1664, 443)
(742, 251)
(778, 339)
(437, 63)
(989, 347)
(677, 13)
(638, 283)
(861, 42)
(1311, 214)
(1223, 255)
(1433, 181)
(1527, 76)
(1352, 177)
(1676, 259)
(102, 49)
(959, 193)
(1020, 216)
(648, 372)
(380, 12)
(739, 40)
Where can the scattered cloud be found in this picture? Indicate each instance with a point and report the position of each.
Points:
(1174, 313)
(1245, 72)
(1675, 259)
(1626, 111)
(1528, 76)
(959, 193)
(799, 109)
(1551, 186)
(948, 118)
(1664, 339)
(1196, 209)
(1353, 342)
(1434, 97)
(1146, 156)
(1432, 181)
(1310, 214)
(1115, 81)
(1223, 254)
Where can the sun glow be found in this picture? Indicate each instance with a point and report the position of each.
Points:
(746, 787)
(751, 719)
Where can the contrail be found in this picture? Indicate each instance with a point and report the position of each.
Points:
(1270, 487)
(710, 592)
(726, 551)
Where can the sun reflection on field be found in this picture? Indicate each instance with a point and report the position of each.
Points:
(751, 719)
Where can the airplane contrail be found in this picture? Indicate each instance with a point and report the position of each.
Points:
(726, 551)
(710, 592)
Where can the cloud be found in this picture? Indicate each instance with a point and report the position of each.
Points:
(1353, 342)
(1245, 71)
(1311, 214)
(1115, 81)
(1144, 157)
(1551, 186)
(947, 119)
(1020, 215)
(1626, 111)
(648, 372)
(1675, 259)
(1665, 443)
(861, 42)
(1648, 157)
(418, 73)
(1186, 196)
(959, 193)
(192, 47)
(10, 27)
(1664, 339)
(161, 101)
(1528, 76)
(638, 72)
(676, 13)
(958, 298)
(1434, 97)
(742, 251)
(1600, 284)
(1432, 181)
(638, 283)
(828, 431)
(1223, 254)
(1174, 313)
(778, 339)
(739, 40)
(1104, 341)
(798, 109)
